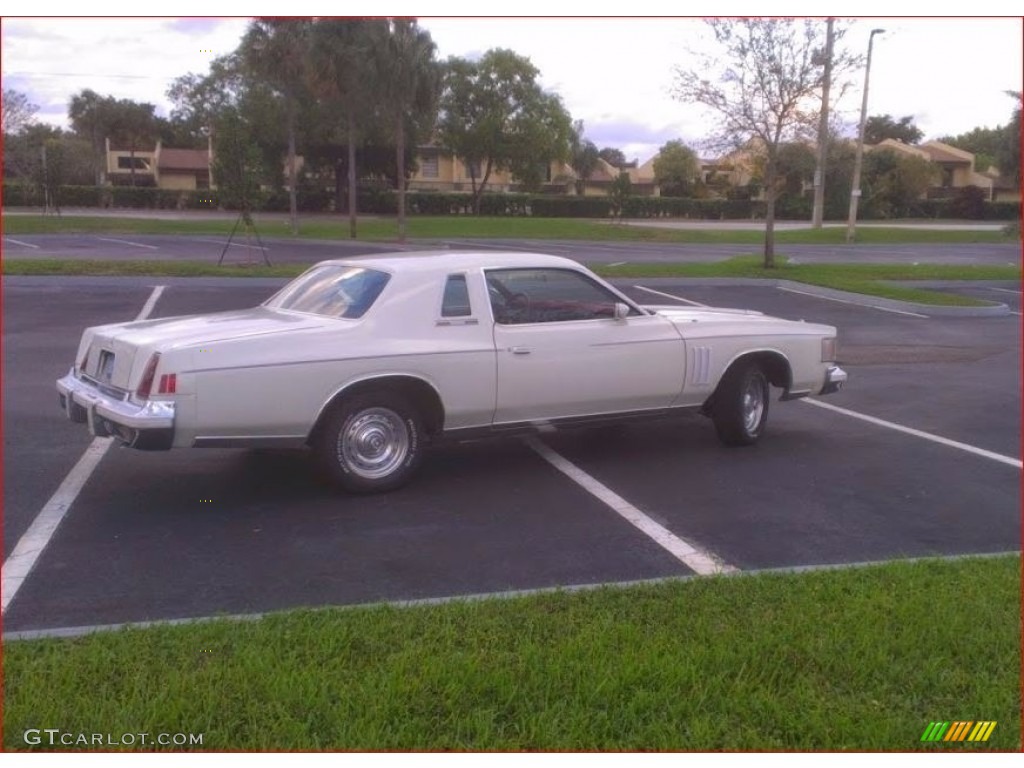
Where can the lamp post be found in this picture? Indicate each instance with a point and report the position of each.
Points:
(855, 190)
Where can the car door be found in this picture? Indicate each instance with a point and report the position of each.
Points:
(561, 352)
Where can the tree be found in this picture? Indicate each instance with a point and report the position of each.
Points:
(793, 174)
(199, 100)
(585, 157)
(983, 143)
(91, 117)
(341, 76)
(274, 50)
(761, 86)
(676, 168)
(1007, 154)
(878, 128)
(237, 164)
(613, 156)
(495, 116)
(409, 84)
(619, 191)
(134, 124)
(894, 182)
(18, 113)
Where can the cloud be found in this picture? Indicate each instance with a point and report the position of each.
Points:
(201, 26)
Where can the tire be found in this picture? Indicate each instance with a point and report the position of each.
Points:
(371, 443)
(740, 406)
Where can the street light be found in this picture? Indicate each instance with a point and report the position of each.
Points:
(855, 190)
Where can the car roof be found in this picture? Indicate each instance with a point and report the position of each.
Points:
(441, 261)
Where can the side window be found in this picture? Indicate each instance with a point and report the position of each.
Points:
(547, 296)
(456, 298)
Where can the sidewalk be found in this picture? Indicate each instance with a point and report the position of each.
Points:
(973, 226)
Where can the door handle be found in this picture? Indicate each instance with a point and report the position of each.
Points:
(519, 350)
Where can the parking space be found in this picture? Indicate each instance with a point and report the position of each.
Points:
(42, 322)
(956, 377)
(193, 533)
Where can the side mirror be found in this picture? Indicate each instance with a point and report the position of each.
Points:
(621, 310)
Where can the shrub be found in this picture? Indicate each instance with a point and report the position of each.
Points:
(967, 203)
(22, 195)
(133, 197)
(1002, 212)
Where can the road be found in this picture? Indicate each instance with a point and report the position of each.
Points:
(208, 248)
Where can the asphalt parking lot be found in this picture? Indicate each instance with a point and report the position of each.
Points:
(206, 532)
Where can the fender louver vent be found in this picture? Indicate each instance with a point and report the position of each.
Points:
(700, 365)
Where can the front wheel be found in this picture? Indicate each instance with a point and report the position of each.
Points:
(371, 443)
(740, 407)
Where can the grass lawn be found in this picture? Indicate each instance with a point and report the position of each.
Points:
(440, 227)
(853, 659)
(858, 278)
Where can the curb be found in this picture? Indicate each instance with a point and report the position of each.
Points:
(876, 302)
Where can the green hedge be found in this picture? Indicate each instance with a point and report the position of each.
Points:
(954, 208)
(384, 202)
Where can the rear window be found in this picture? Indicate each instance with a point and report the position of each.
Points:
(333, 290)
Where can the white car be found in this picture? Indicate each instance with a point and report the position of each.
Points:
(367, 360)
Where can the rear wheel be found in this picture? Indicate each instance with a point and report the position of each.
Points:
(740, 407)
(371, 442)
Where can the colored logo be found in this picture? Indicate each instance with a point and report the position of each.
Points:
(960, 730)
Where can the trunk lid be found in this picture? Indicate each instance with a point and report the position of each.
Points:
(126, 341)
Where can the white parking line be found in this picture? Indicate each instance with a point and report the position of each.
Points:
(154, 297)
(32, 543)
(696, 559)
(1009, 460)
(233, 244)
(20, 242)
(128, 242)
(669, 296)
(1005, 290)
(855, 303)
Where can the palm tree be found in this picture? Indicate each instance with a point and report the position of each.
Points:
(409, 85)
(340, 74)
(275, 50)
(90, 115)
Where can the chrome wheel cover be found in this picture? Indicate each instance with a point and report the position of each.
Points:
(753, 405)
(374, 443)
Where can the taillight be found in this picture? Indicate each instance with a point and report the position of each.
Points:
(168, 384)
(147, 377)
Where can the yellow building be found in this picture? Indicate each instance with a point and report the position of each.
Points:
(957, 170)
(440, 171)
(161, 167)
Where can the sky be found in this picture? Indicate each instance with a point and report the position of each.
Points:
(615, 74)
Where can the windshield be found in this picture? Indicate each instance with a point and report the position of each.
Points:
(334, 290)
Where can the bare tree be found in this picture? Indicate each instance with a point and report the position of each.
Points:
(763, 84)
(18, 113)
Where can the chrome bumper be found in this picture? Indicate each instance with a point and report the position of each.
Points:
(147, 427)
(835, 378)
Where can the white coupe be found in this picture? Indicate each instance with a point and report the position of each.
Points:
(369, 359)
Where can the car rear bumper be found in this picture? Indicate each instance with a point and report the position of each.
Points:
(148, 427)
(835, 378)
